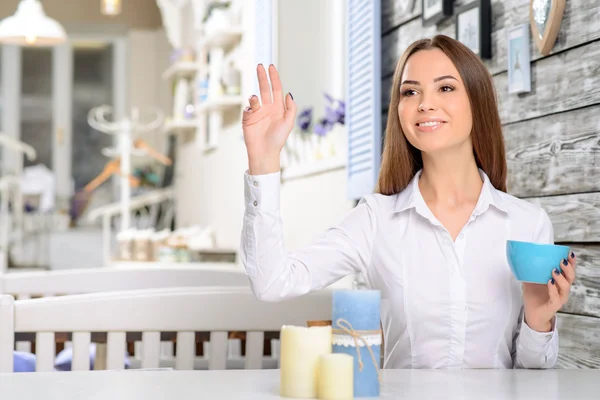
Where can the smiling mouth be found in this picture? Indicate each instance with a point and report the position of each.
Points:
(431, 123)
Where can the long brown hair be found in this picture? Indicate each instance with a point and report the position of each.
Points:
(401, 160)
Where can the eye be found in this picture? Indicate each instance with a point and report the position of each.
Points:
(408, 92)
(447, 88)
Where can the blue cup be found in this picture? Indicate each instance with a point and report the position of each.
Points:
(534, 262)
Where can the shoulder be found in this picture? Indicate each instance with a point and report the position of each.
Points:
(380, 204)
(528, 215)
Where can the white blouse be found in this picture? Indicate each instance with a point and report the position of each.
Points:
(444, 304)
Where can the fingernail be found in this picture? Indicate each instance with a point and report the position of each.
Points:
(565, 262)
(247, 109)
(552, 281)
(556, 271)
(572, 255)
(291, 96)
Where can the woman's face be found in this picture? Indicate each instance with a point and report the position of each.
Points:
(434, 109)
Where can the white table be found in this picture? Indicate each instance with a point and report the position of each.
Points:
(264, 384)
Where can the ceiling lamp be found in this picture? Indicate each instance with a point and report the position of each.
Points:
(111, 7)
(31, 27)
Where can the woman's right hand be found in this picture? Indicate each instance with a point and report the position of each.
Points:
(266, 127)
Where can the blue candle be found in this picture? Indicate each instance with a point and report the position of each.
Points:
(356, 316)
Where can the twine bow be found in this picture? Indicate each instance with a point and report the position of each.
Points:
(346, 328)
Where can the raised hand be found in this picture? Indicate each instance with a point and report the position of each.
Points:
(267, 126)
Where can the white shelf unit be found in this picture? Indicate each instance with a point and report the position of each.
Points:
(181, 69)
(223, 38)
(213, 51)
(180, 126)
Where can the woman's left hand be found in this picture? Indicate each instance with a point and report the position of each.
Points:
(541, 302)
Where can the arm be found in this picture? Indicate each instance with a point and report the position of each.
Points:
(537, 348)
(276, 274)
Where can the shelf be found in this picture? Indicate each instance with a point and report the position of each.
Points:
(222, 38)
(221, 103)
(181, 69)
(315, 168)
(174, 127)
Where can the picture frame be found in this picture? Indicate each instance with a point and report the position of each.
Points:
(435, 11)
(519, 59)
(473, 24)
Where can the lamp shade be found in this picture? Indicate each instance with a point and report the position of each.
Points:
(31, 27)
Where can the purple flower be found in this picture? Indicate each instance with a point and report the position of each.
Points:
(304, 120)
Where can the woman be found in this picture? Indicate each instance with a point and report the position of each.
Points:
(432, 239)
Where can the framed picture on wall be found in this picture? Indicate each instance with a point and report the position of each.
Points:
(434, 11)
(519, 63)
(474, 27)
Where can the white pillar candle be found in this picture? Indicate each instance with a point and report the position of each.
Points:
(336, 377)
(300, 350)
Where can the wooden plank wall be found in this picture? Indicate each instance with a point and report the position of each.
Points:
(552, 140)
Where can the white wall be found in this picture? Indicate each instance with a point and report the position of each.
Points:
(210, 186)
(149, 52)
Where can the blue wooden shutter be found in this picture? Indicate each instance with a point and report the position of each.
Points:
(363, 103)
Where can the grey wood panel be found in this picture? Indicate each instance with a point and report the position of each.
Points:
(579, 341)
(557, 154)
(584, 298)
(577, 28)
(560, 83)
(575, 217)
(393, 13)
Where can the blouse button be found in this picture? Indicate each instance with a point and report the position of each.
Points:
(462, 235)
(255, 203)
(255, 184)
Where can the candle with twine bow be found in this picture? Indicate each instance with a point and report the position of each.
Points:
(356, 331)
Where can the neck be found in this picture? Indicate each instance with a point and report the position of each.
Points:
(450, 179)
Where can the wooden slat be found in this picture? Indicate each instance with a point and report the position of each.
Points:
(557, 154)
(574, 217)
(580, 24)
(115, 356)
(184, 359)
(150, 349)
(254, 350)
(394, 13)
(7, 316)
(81, 351)
(577, 28)
(584, 297)
(579, 341)
(44, 352)
(394, 44)
(554, 90)
(218, 351)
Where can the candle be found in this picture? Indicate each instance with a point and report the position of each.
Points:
(356, 332)
(336, 381)
(300, 350)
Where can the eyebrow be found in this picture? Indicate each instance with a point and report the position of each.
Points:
(440, 78)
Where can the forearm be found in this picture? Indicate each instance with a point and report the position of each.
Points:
(536, 349)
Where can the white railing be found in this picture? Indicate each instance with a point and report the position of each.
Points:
(108, 211)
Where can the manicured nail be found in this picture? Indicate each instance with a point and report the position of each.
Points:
(556, 271)
(247, 109)
(572, 255)
(565, 262)
(552, 281)
(291, 96)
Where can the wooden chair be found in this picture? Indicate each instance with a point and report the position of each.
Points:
(181, 310)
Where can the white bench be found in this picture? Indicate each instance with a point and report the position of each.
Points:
(183, 310)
